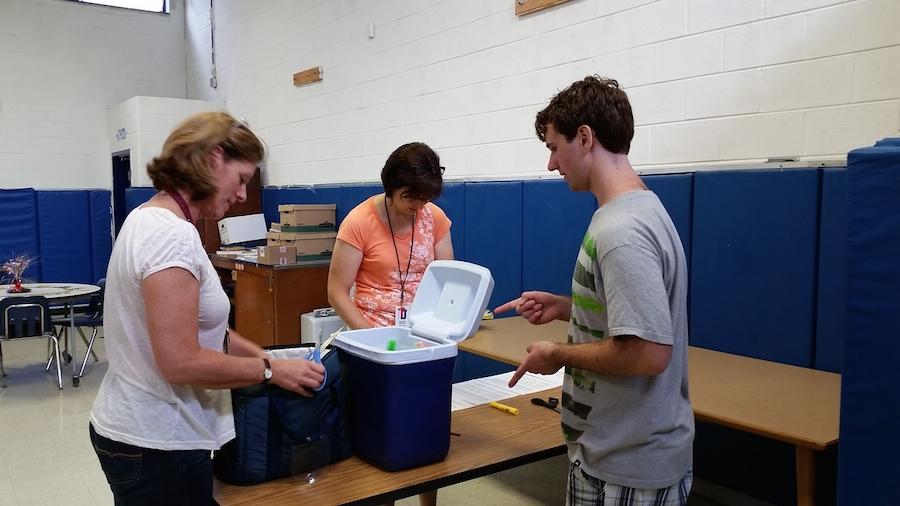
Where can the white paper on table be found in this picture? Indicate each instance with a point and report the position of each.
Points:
(494, 388)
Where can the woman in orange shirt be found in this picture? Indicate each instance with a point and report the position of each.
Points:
(386, 242)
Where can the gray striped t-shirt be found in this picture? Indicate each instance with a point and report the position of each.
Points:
(630, 279)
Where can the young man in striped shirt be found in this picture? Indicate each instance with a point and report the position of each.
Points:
(626, 415)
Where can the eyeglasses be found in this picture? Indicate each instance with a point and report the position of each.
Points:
(410, 196)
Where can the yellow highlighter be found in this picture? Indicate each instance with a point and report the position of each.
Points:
(503, 407)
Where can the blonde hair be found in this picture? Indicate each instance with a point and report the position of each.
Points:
(184, 161)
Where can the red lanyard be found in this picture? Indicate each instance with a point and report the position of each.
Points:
(183, 205)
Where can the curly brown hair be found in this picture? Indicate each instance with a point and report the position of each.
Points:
(597, 102)
(416, 167)
(184, 161)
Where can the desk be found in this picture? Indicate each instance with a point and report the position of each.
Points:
(269, 299)
(490, 441)
(792, 404)
(60, 293)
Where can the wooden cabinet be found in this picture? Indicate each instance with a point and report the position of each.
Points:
(268, 300)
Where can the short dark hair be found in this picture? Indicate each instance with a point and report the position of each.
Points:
(594, 101)
(184, 161)
(416, 167)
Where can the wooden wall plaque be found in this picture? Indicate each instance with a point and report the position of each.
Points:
(308, 76)
(528, 6)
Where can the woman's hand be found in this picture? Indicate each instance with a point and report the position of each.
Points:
(300, 376)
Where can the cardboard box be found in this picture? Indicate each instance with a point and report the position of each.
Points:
(310, 246)
(307, 217)
(277, 255)
(250, 227)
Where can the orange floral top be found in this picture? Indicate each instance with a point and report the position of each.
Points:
(377, 292)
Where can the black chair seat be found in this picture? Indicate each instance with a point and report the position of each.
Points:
(87, 321)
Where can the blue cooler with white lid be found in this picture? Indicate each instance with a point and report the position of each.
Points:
(400, 397)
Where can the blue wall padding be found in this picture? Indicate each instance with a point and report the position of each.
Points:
(476, 366)
(101, 232)
(888, 142)
(469, 366)
(741, 460)
(832, 279)
(65, 236)
(136, 196)
(753, 274)
(554, 220)
(493, 234)
(453, 202)
(676, 192)
(459, 367)
(18, 212)
(273, 197)
(870, 381)
(352, 195)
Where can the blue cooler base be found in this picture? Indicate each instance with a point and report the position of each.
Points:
(399, 414)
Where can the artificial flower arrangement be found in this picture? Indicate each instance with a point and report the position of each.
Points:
(16, 267)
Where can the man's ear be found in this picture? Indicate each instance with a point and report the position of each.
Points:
(585, 137)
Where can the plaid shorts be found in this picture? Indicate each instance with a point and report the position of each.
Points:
(584, 490)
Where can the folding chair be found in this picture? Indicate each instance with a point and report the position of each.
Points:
(24, 318)
(93, 318)
(87, 314)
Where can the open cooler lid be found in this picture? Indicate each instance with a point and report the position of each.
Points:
(450, 300)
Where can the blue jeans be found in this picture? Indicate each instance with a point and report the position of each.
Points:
(143, 476)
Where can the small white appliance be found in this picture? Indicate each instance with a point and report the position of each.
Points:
(319, 323)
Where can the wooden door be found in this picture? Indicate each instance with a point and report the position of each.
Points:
(297, 291)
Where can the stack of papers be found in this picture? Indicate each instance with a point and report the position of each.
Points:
(246, 255)
(494, 388)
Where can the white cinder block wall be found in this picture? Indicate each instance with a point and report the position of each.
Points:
(712, 81)
(140, 125)
(62, 66)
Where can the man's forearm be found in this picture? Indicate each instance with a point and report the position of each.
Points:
(615, 356)
(567, 302)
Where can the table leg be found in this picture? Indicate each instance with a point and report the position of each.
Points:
(74, 344)
(806, 476)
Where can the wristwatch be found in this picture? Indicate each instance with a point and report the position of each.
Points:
(267, 373)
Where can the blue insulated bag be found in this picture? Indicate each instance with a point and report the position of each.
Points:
(280, 433)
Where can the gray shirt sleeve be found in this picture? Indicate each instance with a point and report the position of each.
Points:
(636, 297)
